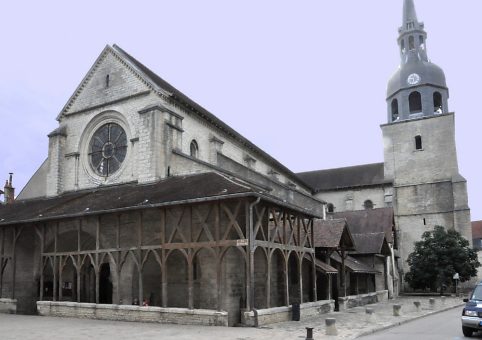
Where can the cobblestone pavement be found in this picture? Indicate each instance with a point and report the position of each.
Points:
(350, 325)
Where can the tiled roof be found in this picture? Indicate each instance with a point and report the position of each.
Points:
(369, 221)
(476, 229)
(343, 178)
(169, 191)
(354, 265)
(332, 234)
(371, 243)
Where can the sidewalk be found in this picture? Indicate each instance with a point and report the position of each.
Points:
(354, 322)
(351, 324)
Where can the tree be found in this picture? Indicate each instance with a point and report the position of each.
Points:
(437, 257)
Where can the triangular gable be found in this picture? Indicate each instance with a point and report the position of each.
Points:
(93, 90)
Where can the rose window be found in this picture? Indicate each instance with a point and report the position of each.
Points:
(107, 149)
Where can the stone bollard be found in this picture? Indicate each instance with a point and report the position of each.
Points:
(431, 303)
(417, 306)
(397, 310)
(309, 333)
(370, 313)
(330, 324)
(443, 300)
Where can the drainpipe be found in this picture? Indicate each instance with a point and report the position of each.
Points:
(250, 290)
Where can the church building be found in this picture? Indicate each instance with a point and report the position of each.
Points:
(419, 177)
(150, 208)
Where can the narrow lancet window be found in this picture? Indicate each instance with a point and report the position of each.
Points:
(194, 149)
(395, 116)
(415, 102)
(437, 103)
(411, 43)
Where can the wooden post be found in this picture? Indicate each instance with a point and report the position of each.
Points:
(190, 288)
(79, 262)
(287, 287)
(139, 257)
(250, 253)
(55, 267)
(313, 277)
(42, 264)
(343, 277)
(97, 264)
(61, 267)
(300, 275)
(268, 279)
(118, 259)
(163, 259)
(219, 301)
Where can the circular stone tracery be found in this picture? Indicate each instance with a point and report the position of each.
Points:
(107, 149)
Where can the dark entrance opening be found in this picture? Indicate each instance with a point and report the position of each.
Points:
(105, 284)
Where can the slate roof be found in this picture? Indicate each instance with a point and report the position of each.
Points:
(477, 229)
(371, 243)
(332, 234)
(193, 106)
(170, 191)
(354, 266)
(369, 221)
(343, 178)
(325, 267)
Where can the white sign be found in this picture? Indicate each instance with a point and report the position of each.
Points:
(456, 276)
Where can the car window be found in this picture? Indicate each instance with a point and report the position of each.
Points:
(477, 295)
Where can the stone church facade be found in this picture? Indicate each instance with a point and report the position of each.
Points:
(148, 198)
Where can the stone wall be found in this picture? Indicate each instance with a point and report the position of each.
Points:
(8, 306)
(362, 299)
(182, 316)
(279, 314)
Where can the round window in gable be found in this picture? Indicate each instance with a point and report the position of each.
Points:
(107, 149)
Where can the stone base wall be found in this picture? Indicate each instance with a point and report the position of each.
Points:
(268, 316)
(362, 299)
(8, 306)
(181, 316)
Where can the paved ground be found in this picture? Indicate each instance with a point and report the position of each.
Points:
(350, 324)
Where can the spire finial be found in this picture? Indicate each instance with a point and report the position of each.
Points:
(409, 13)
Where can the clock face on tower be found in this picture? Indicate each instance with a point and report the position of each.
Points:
(413, 79)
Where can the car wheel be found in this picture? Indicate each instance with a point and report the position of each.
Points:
(467, 331)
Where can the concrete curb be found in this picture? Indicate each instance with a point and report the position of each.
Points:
(399, 323)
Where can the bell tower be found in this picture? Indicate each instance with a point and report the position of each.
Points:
(419, 143)
(418, 87)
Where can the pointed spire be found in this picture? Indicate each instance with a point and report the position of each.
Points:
(409, 13)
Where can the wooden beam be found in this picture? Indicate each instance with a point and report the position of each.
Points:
(118, 259)
(284, 247)
(42, 266)
(2, 261)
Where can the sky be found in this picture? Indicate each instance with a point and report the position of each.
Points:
(304, 80)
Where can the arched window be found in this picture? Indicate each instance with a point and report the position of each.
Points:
(437, 102)
(368, 204)
(330, 207)
(194, 149)
(411, 43)
(402, 45)
(394, 110)
(415, 102)
(421, 40)
(418, 143)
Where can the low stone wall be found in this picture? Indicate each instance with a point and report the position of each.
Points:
(268, 316)
(362, 299)
(8, 306)
(181, 316)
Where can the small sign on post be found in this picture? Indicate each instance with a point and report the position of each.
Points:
(456, 277)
